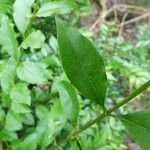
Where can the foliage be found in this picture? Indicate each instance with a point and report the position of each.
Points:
(39, 105)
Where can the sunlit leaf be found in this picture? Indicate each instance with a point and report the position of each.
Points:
(32, 73)
(22, 13)
(52, 8)
(8, 37)
(32, 41)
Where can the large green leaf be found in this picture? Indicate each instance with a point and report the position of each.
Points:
(55, 7)
(82, 63)
(22, 13)
(31, 72)
(8, 37)
(69, 101)
(138, 126)
(32, 41)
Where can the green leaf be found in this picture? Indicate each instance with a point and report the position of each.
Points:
(12, 122)
(28, 119)
(5, 6)
(69, 101)
(138, 126)
(41, 111)
(45, 131)
(20, 94)
(8, 76)
(20, 108)
(32, 72)
(28, 143)
(22, 14)
(32, 41)
(55, 7)
(6, 135)
(2, 114)
(8, 37)
(82, 63)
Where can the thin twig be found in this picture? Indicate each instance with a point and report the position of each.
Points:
(123, 20)
(135, 19)
(103, 15)
(107, 112)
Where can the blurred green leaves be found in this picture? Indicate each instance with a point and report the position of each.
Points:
(34, 40)
(56, 7)
(8, 37)
(22, 14)
(31, 72)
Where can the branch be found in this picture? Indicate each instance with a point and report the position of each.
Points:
(109, 111)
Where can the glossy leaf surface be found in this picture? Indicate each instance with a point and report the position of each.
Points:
(82, 63)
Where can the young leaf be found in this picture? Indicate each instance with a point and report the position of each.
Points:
(32, 73)
(82, 63)
(22, 13)
(32, 41)
(138, 126)
(52, 8)
(69, 101)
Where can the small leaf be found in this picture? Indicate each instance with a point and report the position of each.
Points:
(52, 8)
(138, 126)
(45, 131)
(28, 119)
(6, 135)
(5, 6)
(82, 63)
(20, 94)
(41, 111)
(12, 122)
(28, 143)
(32, 41)
(8, 37)
(20, 108)
(32, 72)
(69, 101)
(8, 76)
(22, 13)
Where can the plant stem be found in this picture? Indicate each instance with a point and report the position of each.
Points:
(109, 111)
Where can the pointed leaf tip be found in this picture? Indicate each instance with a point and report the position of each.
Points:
(82, 63)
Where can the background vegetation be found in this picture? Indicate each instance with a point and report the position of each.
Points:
(31, 113)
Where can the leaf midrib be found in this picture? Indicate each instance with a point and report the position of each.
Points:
(84, 68)
(136, 124)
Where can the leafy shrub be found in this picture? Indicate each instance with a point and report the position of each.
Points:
(39, 107)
